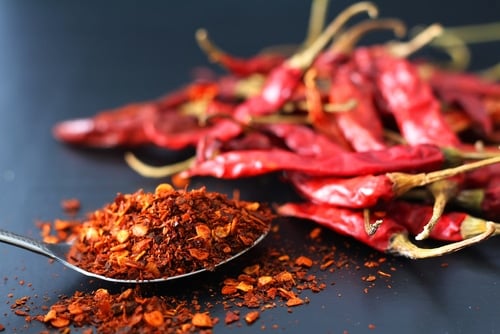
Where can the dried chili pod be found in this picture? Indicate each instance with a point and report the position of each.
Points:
(451, 226)
(411, 101)
(390, 237)
(360, 125)
(123, 126)
(282, 80)
(236, 164)
(258, 64)
(365, 191)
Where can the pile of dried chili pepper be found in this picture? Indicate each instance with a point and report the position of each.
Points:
(353, 128)
(146, 236)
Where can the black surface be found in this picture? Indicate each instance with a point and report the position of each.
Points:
(61, 60)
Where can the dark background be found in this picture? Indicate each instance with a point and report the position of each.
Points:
(69, 59)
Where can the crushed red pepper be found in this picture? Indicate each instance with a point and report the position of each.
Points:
(273, 278)
(144, 236)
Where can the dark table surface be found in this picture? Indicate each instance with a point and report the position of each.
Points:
(69, 59)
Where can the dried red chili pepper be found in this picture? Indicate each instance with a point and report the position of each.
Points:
(361, 124)
(481, 177)
(235, 164)
(391, 236)
(143, 236)
(282, 80)
(473, 106)
(259, 64)
(303, 140)
(174, 130)
(109, 128)
(446, 80)
(451, 226)
(407, 97)
(366, 191)
(322, 121)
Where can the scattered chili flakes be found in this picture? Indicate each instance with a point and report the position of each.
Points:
(70, 205)
(315, 233)
(231, 317)
(252, 317)
(202, 320)
(304, 261)
(2, 328)
(126, 238)
(369, 278)
(383, 273)
(294, 301)
(371, 326)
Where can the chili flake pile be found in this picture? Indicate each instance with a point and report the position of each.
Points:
(144, 236)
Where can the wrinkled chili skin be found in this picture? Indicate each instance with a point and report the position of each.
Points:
(474, 107)
(345, 221)
(490, 206)
(177, 131)
(405, 95)
(415, 216)
(361, 125)
(122, 126)
(236, 164)
(442, 80)
(357, 192)
(278, 88)
(304, 140)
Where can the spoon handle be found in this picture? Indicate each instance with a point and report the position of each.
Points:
(25, 243)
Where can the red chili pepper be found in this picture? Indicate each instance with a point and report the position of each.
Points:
(481, 177)
(282, 80)
(327, 63)
(473, 105)
(365, 191)
(361, 124)
(110, 128)
(246, 163)
(391, 237)
(259, 64)
(122, 126)
(459, 81)
(406, 96)
(174, 130)
(322, 121)
(303, 140)
(451, 226)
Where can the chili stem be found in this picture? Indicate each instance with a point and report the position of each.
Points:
(305, 58)
(347, 41)
(455, 48)
(404, 182)
(401, 245)
(404, 49)
(370, 228)
(472, 226)
(442, 191)
(477, 33)
(156, 172)
(317, 18)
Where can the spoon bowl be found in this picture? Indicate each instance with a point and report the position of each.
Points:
(59, 253)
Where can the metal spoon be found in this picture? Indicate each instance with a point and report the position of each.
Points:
(59, 253)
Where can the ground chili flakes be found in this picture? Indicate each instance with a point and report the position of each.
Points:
(143, 236)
